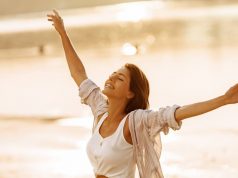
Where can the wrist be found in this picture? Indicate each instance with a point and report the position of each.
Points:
(63, 33)
(224, 100)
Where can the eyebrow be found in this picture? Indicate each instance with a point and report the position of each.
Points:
(120, 74)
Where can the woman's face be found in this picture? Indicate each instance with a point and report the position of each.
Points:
(118, 84)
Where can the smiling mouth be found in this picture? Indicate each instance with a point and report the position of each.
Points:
(109, 86)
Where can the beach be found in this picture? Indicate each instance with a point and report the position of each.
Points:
(53, 143)
(38, 148)
(44, 127)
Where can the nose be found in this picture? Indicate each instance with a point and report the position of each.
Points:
(111, 77)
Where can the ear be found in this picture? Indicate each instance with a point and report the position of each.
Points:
(130, 95)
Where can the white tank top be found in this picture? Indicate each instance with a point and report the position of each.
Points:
(111, 156)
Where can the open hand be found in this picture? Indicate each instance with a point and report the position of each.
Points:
(232, 95)
(57, 21)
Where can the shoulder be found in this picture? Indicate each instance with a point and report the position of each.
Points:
(139, 113)
(99, 117)
(134, 118)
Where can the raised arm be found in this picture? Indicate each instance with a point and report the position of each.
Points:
(75, 64)
(187, 111)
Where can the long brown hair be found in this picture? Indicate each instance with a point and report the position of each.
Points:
(139, 85)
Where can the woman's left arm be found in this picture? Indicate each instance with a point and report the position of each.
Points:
(230, 97)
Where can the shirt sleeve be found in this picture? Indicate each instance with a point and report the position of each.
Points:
(92, 96)
(161, 120)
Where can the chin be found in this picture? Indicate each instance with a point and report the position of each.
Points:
(107, 93)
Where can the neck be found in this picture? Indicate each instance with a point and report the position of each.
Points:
(116, 109)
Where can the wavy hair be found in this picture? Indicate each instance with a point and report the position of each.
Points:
(139, 85)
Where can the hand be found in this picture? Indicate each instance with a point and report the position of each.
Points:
(57, 22)
(232, 95)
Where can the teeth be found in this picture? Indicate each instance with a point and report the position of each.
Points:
(108, 86)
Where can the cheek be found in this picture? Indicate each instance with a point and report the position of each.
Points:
(121, 87)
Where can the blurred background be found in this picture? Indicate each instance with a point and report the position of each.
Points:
(187, 49)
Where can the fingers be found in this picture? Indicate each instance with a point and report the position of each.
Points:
(50, 17)
(56, 13)
(56, 20)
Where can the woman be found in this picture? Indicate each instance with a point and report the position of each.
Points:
(125, 132)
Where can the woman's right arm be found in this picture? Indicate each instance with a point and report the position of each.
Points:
(75, 64)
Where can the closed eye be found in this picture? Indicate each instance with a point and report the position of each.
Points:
(115, 73)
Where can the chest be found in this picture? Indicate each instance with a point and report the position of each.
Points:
(110, 147)
(107, 130)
